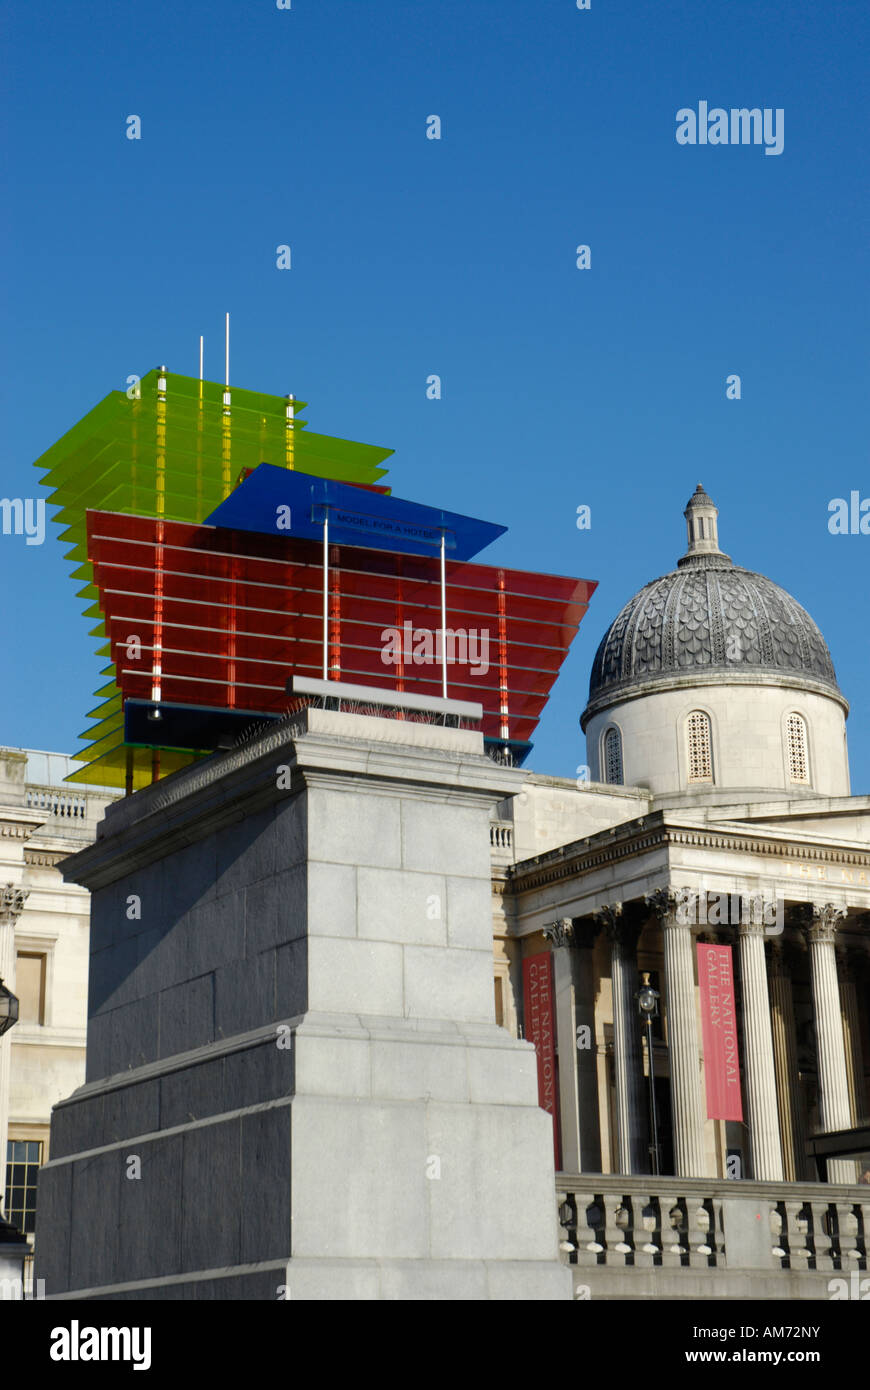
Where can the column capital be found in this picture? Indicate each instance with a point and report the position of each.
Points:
(672, 905)
(751, 927)
(12, 900)
(819, 921)
(560, 932)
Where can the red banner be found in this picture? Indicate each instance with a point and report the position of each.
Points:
(540, 1018)
(719, 1030)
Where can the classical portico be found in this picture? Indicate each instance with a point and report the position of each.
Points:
(720, 813)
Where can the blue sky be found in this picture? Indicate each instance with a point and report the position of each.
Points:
(307, 127)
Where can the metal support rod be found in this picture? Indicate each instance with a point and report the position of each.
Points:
(227, 353)
(443, 619)
(325, 593)
(200, 357)
(653, 1116)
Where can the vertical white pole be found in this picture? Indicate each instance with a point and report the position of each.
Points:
(443, 621)
(325, 594)
(227, 353)
(200, 357)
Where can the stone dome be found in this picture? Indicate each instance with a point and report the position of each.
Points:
(708, 617)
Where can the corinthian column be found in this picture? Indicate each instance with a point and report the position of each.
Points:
(623, 930)
(683, 1053)
(12, 901)
(571, 946)
(834, 1110)
(851, 1034)
(792, 1120)
(764, 1135)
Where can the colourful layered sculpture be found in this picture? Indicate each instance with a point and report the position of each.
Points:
(226, 549)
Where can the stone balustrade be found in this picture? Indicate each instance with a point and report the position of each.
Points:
(501, 833)
(691, 1235)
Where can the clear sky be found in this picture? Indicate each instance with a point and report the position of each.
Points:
(307, 127)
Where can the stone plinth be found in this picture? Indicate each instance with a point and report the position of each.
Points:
(295, 1084)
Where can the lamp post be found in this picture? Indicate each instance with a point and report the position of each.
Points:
(8, 1008)
(647, 1000)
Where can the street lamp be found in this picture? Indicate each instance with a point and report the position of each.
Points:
(648, 1007)
(8, 1008)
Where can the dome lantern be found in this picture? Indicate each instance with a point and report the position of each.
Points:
(703, 528)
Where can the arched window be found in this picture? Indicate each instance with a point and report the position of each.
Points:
(796, 742)
(700, 747)
(613, 757)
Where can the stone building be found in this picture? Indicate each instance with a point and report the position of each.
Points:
(715, 808)
(43, 959)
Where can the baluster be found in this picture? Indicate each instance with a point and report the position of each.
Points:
(847, 1222)
(674, 1238)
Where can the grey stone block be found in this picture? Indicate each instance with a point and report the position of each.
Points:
(354, 828)
(53, 1207)
(291, 979)
(76, 1125)
(320, 1281)
(412, 1070)
(291, 826)
(437, 836)
(211, 1198)
(394, 905)
(747, 1233)
(131, 1110)
(502, 1076)
(186, 1016)
(111, 981)
(275, 911)
(359, 1184)
(245, 995)
(192, 1093)
(482, 1148)
(469, 913)
(265, 1214)
(440, 982)
(149, 1213)
(258, 1074)
(332, 898)
(359, 977)
(332, 1066)
(247, 851)
(433, 1281)
(522, 1282)
(214, 934)
(93, 1219)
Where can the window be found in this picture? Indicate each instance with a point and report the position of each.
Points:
(796, 740)
(700, 747)
(30, 987)
(499, 1001)
(613, 757)
(23, 1161)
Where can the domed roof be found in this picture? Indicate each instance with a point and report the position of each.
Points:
(708, 616)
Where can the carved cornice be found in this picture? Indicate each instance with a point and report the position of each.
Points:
(582, 856)
(12, 900)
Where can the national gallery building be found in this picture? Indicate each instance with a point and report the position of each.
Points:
(715, 813)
